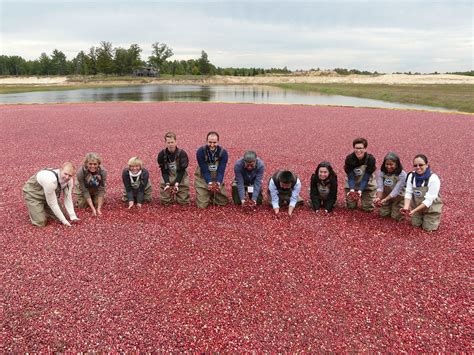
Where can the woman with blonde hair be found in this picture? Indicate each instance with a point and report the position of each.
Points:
(136, 181)
(91, 183)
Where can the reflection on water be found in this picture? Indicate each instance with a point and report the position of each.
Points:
(216, 93)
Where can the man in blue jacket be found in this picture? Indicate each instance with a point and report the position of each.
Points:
(209, 175)
(247, 185)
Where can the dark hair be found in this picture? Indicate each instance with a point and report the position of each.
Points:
(171, 135)
(360, 140)
(286, 176)
(212, 133)
(421, 156)
(325, 164)
(250, 156)
(394, 157)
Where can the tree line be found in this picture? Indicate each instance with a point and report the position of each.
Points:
(105, 59)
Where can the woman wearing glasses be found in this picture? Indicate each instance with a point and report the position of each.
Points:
(422, 198)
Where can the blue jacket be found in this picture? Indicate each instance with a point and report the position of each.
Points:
(245, 177)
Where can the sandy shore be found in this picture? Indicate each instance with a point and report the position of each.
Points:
(389, 79)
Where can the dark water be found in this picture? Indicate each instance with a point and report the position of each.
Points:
(216, 93)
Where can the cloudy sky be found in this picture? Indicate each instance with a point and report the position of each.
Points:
(382, 35)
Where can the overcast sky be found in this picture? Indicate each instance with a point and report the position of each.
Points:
(382, 35)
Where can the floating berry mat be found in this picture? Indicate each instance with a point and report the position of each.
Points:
(223, 279)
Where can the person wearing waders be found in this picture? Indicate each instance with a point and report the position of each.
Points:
(209, 174)
(174, 182)
(360, 181)
(90, 184)
(323, 189)
(284, 190)
(390, 187)
(422, 197)
(42, 192)
(136, 182)
(247, 185)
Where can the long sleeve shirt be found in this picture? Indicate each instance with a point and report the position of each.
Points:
(275, 194)
(81, 181)
(315, 198)
(220, 155)
(434, 185)
(165, 157)
(245, 177)
(49, 183)
(140, 192)
(352, 162)
(397, 188)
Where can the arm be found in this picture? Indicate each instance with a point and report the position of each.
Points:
(240, 179)
(81, 183)
(183, 165)
(368, 172)
(274, 195)
(257, 187)
(127, 185)
(68, 201)
(399, 186)
(314, 194)
(202, 165)
(141, 189)
(408, 193)
(49, 183)
(222, 166)
(349, 169)
(295, 193)
(102, 186)
(434, 186)
(332, 198)
(164, 171)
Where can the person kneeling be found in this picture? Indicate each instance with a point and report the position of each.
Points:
(284, 189)
(247, 185)
(137, 183)
(323, 190)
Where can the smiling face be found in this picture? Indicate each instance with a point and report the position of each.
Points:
(171, 144)
(92, 166)
(420, 166)
(66, 173)
(359, 150)
(250, 165)
(323, 173)
(212, 142)
(134, 168)
(390, 166)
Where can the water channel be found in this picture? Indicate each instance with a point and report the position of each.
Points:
(193, 93)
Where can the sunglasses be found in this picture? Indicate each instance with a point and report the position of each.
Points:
(418, 165)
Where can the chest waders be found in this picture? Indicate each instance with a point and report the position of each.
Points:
(203, 195)
(368, 195)
(35, 200)
(392, 207)
(91, 182)
(284, 195)
(323, 190)
(182, 196)
(429, 218)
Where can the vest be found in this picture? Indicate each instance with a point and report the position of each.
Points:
(420, 192)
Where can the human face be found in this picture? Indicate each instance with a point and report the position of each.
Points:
(171, 144)
(134, 168)
(212, 142)
(390, 166)
(420, 166)
(285, 185)
(250, 165)
(323, 173)
(359, 150)
(66, 174)
(92, 166)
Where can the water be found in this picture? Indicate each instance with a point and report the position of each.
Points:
(193, 93)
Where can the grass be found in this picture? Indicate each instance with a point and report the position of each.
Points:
(453, 96)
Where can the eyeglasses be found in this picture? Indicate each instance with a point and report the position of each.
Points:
(418, 165)
(359, 148)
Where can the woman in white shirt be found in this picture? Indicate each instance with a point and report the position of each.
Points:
(422, 197)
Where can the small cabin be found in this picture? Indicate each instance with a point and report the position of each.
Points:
(146, 71)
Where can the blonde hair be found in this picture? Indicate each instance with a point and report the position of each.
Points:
(92, 156)
(135, 161)
(68, 165)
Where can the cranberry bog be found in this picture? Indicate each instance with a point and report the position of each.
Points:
(225, 279)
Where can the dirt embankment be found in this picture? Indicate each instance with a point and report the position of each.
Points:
(330, 77)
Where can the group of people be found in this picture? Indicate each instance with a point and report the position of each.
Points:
(391, 189)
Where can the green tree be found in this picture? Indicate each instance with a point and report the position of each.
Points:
(134, 59)
(204, 64)
(161, 52)
(91, 61)
(121, 62)
(45, 64)
(58, 63)
(105, 58)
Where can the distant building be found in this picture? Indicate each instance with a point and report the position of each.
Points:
(146, 71)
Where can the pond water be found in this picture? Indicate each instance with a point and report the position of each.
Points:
(214, 93)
